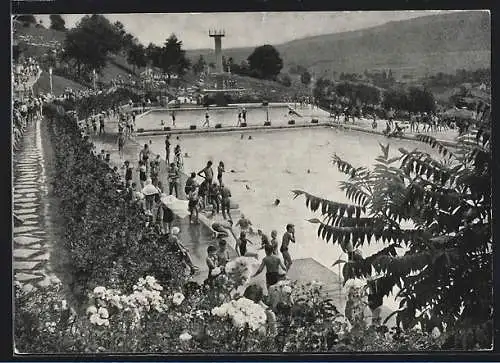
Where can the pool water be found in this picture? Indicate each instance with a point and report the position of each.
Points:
(256, 116)
(273, 163)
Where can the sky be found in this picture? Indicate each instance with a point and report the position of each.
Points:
(246, 29)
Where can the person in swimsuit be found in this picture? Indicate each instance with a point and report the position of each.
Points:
(144, 156)
(128, 173)
(274, 241)
(142, 173)
(94, 125)
(167, 149)
(193, 205)
(239, 118)
(220, 170)
(207, 120)
(226, 201)
(245, 224)
(212, 263)
(208, 174)
(241, 244)
(173, 180)
(155, 170)
(173, 118)
(272, 263)
(101, 124)
(288, 236)
(121, 143)
(223, 254)
(215, 198)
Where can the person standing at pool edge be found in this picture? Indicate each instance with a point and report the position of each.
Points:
(207, 118)
(167, 149)
(173, 179)
(272, 263)
(220, 170)
(288, 236)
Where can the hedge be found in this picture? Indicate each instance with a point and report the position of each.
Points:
(106, 236)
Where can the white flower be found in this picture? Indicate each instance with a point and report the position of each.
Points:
(436, 333)
(178, 298)
(91, 310)
(215, 271)
(99, 291)
(103, 313)
(287, 289)
(184, 337)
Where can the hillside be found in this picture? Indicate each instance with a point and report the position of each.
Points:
(40, 40)
(420, 46)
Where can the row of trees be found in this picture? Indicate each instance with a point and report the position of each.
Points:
(264, 62)
(413, 99)
(91, 43)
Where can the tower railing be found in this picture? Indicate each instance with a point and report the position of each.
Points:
(216, 33)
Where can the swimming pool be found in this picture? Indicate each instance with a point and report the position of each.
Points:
(227, 116)
(271, 164)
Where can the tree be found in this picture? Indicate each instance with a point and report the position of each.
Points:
(266, 62)
(199, 66)
(285, 79)
(439, 210)
(298, 69)
(90, 43)
(173, 58)
(57, 22)
(27, 19)
(420, 100)
(137, 56)
(395, 99)
(153, 54)
(305, 78)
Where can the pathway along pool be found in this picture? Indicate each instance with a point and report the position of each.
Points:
(273, 163)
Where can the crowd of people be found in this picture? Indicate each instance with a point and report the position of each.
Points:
(23, 72)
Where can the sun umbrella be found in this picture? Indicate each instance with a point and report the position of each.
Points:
(150, 189)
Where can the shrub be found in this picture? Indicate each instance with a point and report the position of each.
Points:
(267, 123)
(106, 236)
(167, 128)
(243, 124)
(192, 127)
(140, 129)
(291, 122)
(218, 126)
(314, 121)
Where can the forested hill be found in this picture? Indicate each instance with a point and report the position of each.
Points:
(430, 44)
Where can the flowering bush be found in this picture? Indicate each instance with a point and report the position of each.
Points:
(242, 312)
(151, 318)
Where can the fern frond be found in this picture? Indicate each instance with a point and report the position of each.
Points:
(328, 207)
(435, 144)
